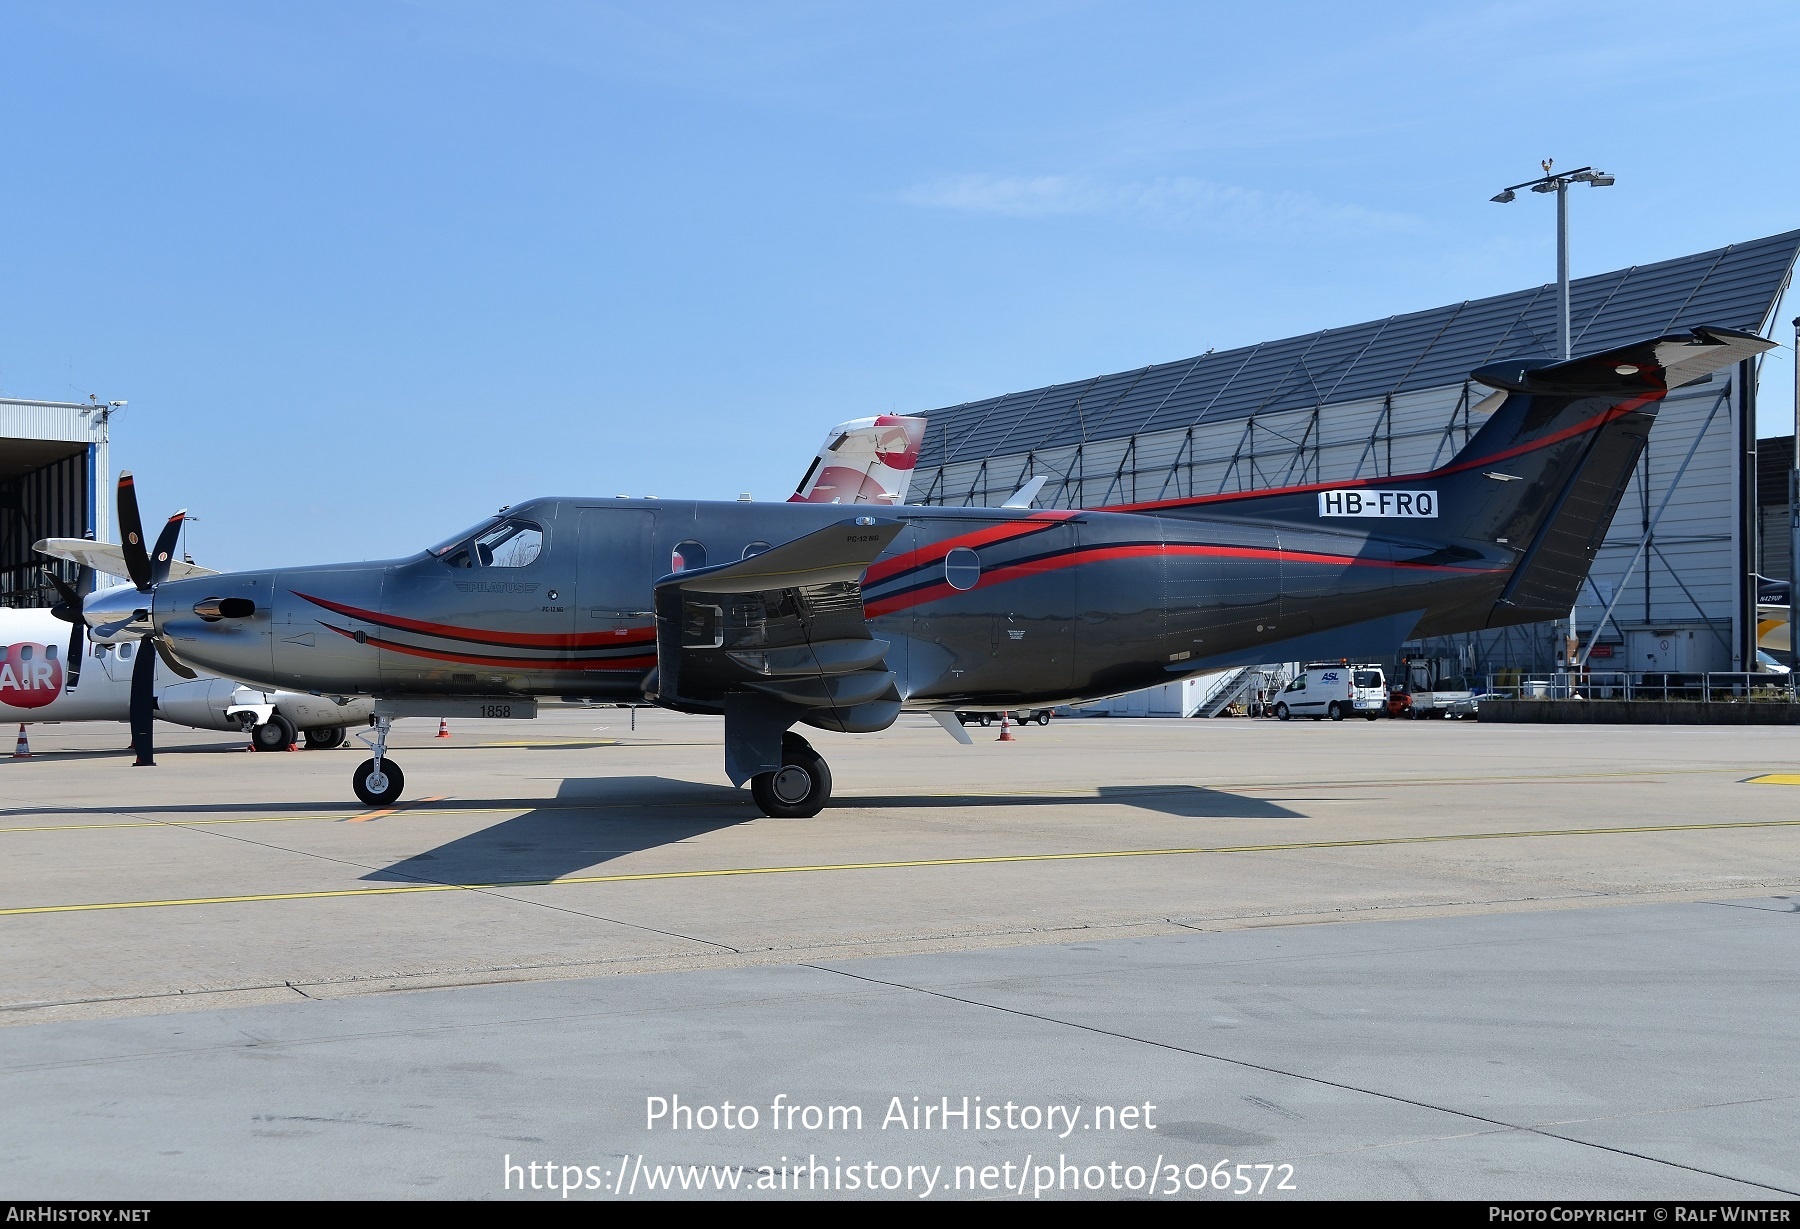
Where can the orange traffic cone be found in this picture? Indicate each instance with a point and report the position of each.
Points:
(443, 727)
(23, 750)
(1005, 729)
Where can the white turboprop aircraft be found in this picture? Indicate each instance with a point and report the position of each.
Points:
(49, 671)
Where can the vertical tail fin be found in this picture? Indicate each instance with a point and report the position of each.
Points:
(864, 461)
(1545, 474)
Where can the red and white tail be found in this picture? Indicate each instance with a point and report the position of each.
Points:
(864, 461)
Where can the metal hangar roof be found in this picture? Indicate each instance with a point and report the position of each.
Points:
(1737, 286)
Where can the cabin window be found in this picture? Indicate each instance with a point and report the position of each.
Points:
(962, 568)
(755, 548)
(511, 544)
(50, 652)
(124, 652)
(687, 556)
(25, 652)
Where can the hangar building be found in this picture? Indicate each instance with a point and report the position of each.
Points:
(1393, 396)
(53, 484)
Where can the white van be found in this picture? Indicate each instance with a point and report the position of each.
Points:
(1336, 692)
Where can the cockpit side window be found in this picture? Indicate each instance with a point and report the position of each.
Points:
(511, 544)
(443, 549)
(495, 544)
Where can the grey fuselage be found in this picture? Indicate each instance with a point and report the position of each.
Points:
(1051, 606)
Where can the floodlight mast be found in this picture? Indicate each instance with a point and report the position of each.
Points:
(1565, 345)
(1559, 184)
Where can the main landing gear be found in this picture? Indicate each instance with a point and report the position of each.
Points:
(378, 781)
(799, 789)
(275, 734)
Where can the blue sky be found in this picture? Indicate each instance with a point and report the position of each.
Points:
(367, 271)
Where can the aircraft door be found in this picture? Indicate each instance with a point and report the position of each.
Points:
(619, 568)
(616, 610)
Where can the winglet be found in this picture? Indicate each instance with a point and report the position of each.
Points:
(1024, 495)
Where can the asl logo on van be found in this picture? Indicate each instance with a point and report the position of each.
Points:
(29, 676)
(1413, 504)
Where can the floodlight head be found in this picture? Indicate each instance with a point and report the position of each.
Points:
(1600, 179)
(1505, 198)
(1548, 186)
(117, 405)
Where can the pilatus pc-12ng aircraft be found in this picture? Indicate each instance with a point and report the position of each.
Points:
(777, 615)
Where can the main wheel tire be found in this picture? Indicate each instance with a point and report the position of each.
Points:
(1282, 713)
(987, 719)
(1043, 718)
(378, 789)
(1336, 710)
(799, 789)
(275, 734)
(326, 739)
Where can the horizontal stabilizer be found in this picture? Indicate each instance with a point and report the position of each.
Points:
(1645, 366)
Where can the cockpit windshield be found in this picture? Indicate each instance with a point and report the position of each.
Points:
(444, 547)
(500, 543)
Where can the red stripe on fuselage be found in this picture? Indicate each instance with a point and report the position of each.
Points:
(475, 635)
(1505, 454)
(507, 663)
(1034, 522)
(1138, 550)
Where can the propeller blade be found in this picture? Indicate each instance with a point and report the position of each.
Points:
(131, 527)
(77, 651)
(143, 707)
(69, 608)
(165, 548)
(171, 661)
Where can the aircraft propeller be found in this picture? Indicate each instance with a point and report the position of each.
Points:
(69, 611)
(147, 570)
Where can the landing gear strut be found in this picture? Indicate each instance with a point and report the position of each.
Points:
(799, 789)
(378, 781)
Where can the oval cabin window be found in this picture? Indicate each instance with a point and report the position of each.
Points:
(962, 568)
(687, 556)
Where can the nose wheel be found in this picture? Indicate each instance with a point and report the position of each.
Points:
(799, 789)
(378, 784)
(378, 781)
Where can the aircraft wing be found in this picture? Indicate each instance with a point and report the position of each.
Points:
(109, 558)
(778, 638)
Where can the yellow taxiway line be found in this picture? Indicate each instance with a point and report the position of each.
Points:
(1776, 778)
(997, 859)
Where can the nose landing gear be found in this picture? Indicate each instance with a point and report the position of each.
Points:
(378, 781)
(800, 788)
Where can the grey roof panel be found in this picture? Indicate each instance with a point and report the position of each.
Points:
(1736, 286)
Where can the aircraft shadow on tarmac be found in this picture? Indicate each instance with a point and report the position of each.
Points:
(1182, 801)
(594, 820)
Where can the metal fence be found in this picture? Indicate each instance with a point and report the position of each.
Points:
(1709, 688)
